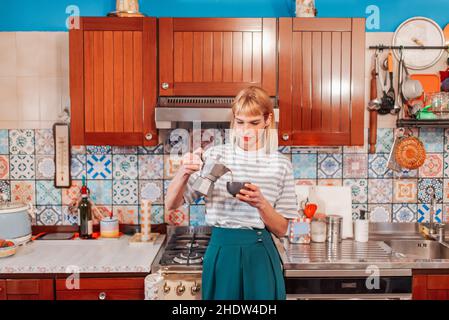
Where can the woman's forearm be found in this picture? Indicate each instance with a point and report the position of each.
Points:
(175, 191)
(274, 221)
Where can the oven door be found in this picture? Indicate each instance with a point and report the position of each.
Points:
(349, 288)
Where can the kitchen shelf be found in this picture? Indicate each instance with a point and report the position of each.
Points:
(437, 123)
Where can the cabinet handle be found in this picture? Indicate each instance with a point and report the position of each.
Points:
(285, 137)
(180, 289)
(166, 288)
(195, 289)
(148, 136)
(102, 296)
(165, 85)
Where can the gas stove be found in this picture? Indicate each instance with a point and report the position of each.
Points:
(185, 248)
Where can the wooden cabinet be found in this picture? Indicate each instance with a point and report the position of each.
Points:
(2, 290)
(102, 289)
(113, 81)
(216, 56)
(321, 81)
(26, 289)
(431, 287)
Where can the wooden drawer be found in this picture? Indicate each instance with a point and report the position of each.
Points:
(102, 289)
(100, 295)
(2, 290)
(29, 289)
(438, 282)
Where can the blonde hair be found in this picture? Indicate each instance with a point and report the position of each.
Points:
(255, 101)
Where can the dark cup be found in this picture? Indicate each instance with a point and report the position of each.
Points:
(235, 187)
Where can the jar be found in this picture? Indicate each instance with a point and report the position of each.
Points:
(334, 228)
(318, 230)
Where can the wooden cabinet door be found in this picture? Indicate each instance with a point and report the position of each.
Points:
(2, 290)
(321, 81)
(29, 289)
(216, 56)
(113, 81)
(102, 289)
(431, 287)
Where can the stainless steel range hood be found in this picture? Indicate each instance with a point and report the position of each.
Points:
(172, 111)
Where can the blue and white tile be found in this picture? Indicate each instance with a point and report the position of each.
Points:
(305, 166)
(44, 142)
(100, 191)
(125, 166)
(124, 150)
(405, 212)
(433, 139)
(151, 166)
(426, 187)
(377, 166)
(78, 150)
(45, 167)
(4, 141)
(285, 149)
(424, 213)
(356, 208)
(330, 166)
(157, 214)
(99, 150)
(151, 190)
(21, 141)
(48, 215)
(47, 194)
(22, 167)
(158, 149)
(99, 166)
(5, 188)
(125, 192)
(178, 140)
(406, 173)
(359, 189)
(379, 212)
(78, 166)
(70, 216)
(384, 140)
(197, 215)
(380, 190)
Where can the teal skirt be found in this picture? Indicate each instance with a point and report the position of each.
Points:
(242, 264)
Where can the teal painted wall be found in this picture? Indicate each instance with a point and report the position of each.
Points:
(50, 15)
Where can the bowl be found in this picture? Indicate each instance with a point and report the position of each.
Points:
(234, 187)
(7, 248)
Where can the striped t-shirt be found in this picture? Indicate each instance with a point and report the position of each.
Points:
(272, 173)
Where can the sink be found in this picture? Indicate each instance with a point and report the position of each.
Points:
(418, 249)
(387, 231)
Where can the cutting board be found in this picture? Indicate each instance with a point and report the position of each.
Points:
(330, 200)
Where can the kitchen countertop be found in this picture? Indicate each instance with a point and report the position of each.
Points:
(307, 259)
(86, 256)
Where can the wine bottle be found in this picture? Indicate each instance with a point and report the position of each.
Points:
(85, 214)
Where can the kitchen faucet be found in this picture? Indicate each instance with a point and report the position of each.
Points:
(436, 230)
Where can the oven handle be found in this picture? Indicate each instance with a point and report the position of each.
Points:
(345, 273)
(380, 296)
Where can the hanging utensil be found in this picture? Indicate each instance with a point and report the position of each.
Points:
(373, 106)
(397, 105)
(410, 152)
(390, 91)
(387, 103)
(391, 162)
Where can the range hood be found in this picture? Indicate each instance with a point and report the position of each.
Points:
(172, 111)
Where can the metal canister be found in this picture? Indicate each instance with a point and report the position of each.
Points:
(334, 228)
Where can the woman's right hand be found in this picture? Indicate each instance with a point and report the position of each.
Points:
(191, 162)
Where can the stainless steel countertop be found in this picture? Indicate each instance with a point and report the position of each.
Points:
(347, 257)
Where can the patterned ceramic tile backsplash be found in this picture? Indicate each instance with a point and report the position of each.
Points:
(119, 177)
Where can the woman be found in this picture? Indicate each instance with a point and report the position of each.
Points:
(241, 261)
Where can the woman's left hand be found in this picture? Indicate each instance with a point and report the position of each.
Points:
(253, 196)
